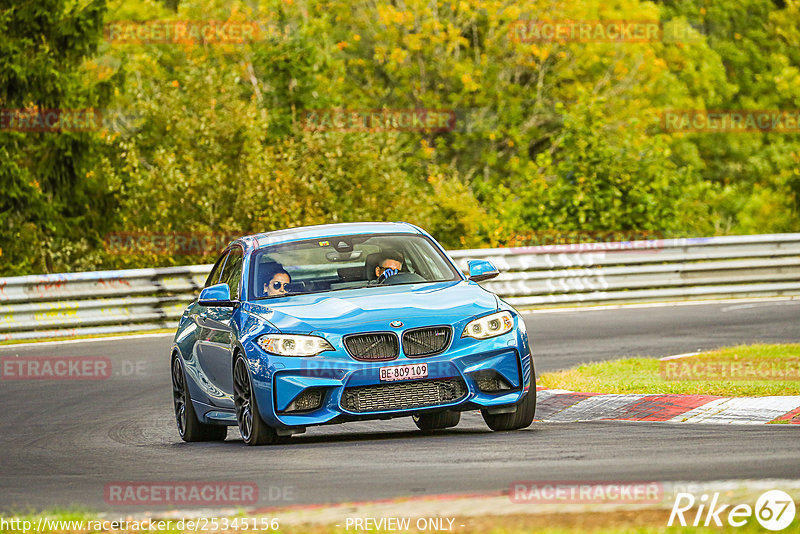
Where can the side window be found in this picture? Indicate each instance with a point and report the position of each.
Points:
(232, 272)
(216, 271)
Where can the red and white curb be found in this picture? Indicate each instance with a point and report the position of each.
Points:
(569, 406)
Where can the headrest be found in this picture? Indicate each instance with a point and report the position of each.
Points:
(351, 274)
(369, 265)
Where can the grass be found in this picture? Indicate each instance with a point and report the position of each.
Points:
(646, 375)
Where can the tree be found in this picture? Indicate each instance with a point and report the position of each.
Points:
(53, 207)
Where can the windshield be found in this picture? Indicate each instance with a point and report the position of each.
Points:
(346, 262)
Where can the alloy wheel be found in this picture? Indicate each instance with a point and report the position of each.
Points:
(243, 395)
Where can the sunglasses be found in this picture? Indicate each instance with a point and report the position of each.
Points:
(277, 285)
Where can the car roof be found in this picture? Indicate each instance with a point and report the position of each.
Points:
(327, 230)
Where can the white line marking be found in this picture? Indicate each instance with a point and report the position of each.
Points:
(605, 307)
(677, 356)
(760, 305)
(559, 391)
(87, 340)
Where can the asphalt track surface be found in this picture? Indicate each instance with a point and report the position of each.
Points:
(62, 442)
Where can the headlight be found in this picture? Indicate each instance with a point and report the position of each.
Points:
(293, 345)
(489, 326)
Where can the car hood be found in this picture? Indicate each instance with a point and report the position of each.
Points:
(373, 308)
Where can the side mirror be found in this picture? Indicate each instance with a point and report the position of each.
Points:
(217, 295)
(480, 270)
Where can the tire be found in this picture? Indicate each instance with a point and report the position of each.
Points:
(436, 421)
(522, 417)
(253, 429)
(189, 427)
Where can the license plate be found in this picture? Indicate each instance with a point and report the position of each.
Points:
(404, 372)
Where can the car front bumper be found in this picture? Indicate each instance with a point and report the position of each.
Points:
(464, 377)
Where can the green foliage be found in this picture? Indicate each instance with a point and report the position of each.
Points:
(757, 43)
(53, 206)
(598, 182)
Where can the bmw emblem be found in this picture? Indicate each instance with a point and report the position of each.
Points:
(396, 324)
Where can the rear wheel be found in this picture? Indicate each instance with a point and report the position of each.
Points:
(436, 421)
(522, 417)
(189, 426)
(253, 429)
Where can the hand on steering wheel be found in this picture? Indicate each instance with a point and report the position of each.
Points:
(387, 273)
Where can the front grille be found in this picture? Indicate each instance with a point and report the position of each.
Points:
(404, 395)
(375, 347)
(426, 341)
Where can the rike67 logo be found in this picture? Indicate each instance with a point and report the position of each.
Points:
(774, 510)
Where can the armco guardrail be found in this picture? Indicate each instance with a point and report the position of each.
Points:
(641, 271)
(58, 305)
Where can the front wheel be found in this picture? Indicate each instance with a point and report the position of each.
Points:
(253, 429)
(522, 417)
(189, 427)
(436, 421)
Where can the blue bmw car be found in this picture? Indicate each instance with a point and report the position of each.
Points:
(346, 322)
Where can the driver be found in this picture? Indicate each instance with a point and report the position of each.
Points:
(391, 262)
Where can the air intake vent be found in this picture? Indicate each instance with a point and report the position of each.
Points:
(404, 395)
(310, 399)
(490, 382)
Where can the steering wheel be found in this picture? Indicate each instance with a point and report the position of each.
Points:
(400, 278)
